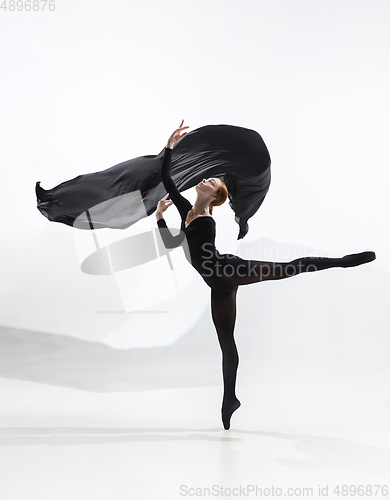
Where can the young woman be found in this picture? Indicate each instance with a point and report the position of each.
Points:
(224, 273)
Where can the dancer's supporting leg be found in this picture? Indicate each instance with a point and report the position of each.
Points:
(223, 311)
(252, 271)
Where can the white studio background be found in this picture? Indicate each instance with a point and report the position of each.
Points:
(90, 85)
(93, 83)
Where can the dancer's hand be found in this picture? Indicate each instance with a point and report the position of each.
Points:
(163, 204)
(175, 137)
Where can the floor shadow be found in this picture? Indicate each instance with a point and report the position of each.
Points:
(324, 452)
(70, 436)
(194, 360)
(332, 453)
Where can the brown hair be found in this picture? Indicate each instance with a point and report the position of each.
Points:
(222, 194)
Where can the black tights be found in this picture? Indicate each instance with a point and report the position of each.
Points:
(223, 312)
(223, 308)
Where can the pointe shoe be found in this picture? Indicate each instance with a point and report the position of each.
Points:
(227, 412)
(356, 259)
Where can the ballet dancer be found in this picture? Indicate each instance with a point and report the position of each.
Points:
(224, 273)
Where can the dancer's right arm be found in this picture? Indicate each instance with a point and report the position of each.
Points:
(182, 204)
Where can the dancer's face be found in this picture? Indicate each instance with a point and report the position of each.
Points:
(208, 187)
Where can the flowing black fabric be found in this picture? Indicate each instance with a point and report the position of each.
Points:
(236, 155)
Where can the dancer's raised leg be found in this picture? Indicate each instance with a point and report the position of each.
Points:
(245, 272)
(223, 312)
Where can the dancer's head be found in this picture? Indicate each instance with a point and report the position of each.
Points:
(212, 190)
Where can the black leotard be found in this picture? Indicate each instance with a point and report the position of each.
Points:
(200, 235)
(225, 272)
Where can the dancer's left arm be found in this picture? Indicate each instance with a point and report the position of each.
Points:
(169, 240)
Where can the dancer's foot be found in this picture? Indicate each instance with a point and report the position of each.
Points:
(356, 259)
(228, 407)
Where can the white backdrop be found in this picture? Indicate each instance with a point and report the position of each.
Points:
(90, 85)
(93, 83)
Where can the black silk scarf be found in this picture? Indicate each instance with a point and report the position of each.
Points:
(125, 193)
